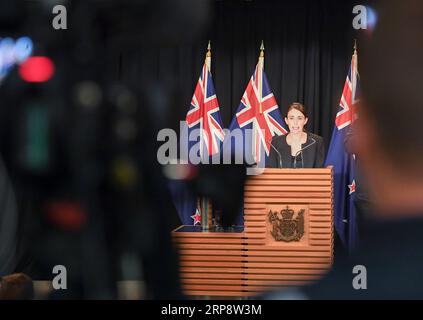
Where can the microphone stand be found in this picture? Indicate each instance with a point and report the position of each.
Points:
(300, 151)
(279, 156)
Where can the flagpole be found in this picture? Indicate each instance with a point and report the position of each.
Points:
(355, 46)
(356, 55)
(354, 72)
(208, 56)
(207, 62)
(261, 64)
(204, 202)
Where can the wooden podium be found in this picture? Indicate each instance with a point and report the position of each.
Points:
(287, 239)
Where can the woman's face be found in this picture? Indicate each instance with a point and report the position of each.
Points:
(296, 121)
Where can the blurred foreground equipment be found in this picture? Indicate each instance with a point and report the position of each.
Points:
(16, 287)
(81, 145)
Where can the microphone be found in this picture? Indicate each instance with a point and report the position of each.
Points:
(300, 151)
(279, 155)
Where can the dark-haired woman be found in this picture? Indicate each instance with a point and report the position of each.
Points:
(299, 148)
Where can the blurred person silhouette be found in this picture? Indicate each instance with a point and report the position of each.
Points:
(8, 224)
(388, 265)
(13, 253)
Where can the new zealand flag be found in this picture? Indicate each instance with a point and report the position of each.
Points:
(343, 162)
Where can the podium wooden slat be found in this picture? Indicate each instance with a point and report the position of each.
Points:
(210, 270)
(280, 277)
(226, 293)
(296, 271)
(200, 252)
(276, 183)
(288, 253)
(211, 246)
(279, 259)
(288, 188)
(225, 241)
(238, 282)
(199, 257)
(210, 288)
(211, 263)
(214, 276)
(242, 264)
(290, 248)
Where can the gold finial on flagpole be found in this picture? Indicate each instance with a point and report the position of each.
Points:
(262, 49)
(208, 56)
(209, 50)
(355, 46)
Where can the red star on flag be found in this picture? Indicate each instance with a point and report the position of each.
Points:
(196, 217)
(352, 187)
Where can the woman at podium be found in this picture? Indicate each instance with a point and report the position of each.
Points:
(299, 148)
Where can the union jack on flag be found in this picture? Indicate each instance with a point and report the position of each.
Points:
(204, 113)
(259, 111)
(343, 162)
(348, 111)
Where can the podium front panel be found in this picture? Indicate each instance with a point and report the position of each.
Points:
(288, 217)
(287, 239)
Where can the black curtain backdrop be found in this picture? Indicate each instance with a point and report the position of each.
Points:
(308, 48)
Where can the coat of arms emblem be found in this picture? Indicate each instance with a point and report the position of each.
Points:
(284, 228)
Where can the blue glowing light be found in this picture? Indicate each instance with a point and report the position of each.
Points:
(13, 52)
(371, 18)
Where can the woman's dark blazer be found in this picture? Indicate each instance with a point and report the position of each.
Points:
(313, 156)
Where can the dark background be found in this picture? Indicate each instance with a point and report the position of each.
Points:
(308, 48)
